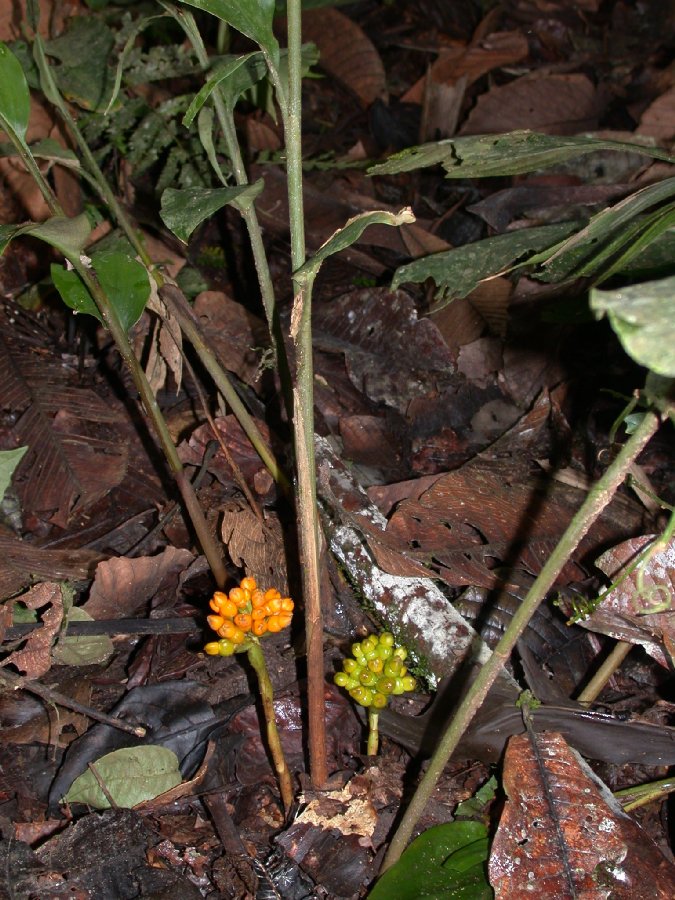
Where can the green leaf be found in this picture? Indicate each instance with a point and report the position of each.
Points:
(9, 460)
(457, 272)
(643, 317)
(183, 211)
(68, 235)
(447, 861)
(487, 155)
(347, 235)
(251, 17)
(605, 234)
(131, 775)
(234, 75)
(137, 29)
(14, 94)
(82, 650)
(124, 280)
(83, 75)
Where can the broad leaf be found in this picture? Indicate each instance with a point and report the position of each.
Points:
(124, 280)
(445, 861)
(14, 94)
(9, 460)
(131, 775)
(83, 50)
(346, 236)
(457, 272)
(84, 649)
(643, 317)
(68, 235)
(183, 211)
(251, 17)
(487, 155)
(233, 75)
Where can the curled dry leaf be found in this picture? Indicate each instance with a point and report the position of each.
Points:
(34, 658)
(346, 53)
(562, 833)
(256, 546)
(640, 609)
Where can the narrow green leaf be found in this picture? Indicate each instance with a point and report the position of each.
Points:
(457, 272)
(643, 317)
(124, 280)
(575, 254)
(14, 94)
(82, 650)
(487, 155)
(182, 211)
(233, 75)
(9, 460)
(251, 17)
(346, 236)
(131, 775)
(139, 28)
(445, 861)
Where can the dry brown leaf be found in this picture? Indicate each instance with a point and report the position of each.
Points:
(257, 547)
(552, 104)
(346, 53)
(22, 562)
(34, 658)
(122, 587)
(640, 610)
(562, 834)
(502, 48)
(658, 120)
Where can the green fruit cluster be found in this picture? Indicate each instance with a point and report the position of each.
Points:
(375, 671)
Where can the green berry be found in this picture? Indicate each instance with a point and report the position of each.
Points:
(369, 643)
(362, 695)
(409, 683)
(379, 700)
(387, 639)
(367, 678)
(341, 679)
(350, 665)
(357, 651)
(226, 648)
(393, 666)
(386, 684)
(376, 665)
(401, 652)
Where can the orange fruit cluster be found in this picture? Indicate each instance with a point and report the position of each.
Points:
(246, 610)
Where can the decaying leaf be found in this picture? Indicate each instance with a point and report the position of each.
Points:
(562, 833)
(640, 609)
(34, 658)
(258, 547)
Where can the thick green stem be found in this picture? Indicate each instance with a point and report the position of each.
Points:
(598, 498)
(257, 659)
(373, 731)
(303, 410)
(108, 314)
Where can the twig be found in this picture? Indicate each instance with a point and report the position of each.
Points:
(51, 696)
(101, 783)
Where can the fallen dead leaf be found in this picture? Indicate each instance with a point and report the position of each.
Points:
(34, 658)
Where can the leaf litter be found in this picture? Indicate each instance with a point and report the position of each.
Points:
(434, 433)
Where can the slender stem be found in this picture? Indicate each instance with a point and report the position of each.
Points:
(30, 163)
(109, 315)
(373, 731)
(175, 300)
(257, 659)
(303, 411)
(597, 499)
(619, 652)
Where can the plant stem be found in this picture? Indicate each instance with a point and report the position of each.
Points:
(303, 411)
(176, 302)
(619, 652)
(373, 731)
(257, 659)
(119, 335)
(597, 499)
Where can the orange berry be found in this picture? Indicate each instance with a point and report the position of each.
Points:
(215, 622)
(237, 636)
(272, 594)
(212, 648)
(228, 609)
(274, 624)
(243, 621)
(258, 614)
(214, 604)
(257, 598)
(273, 606)
(238, 596)
(287, 604)
(218, 597)
(227, 629)
(259, 627)
(248, 584)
